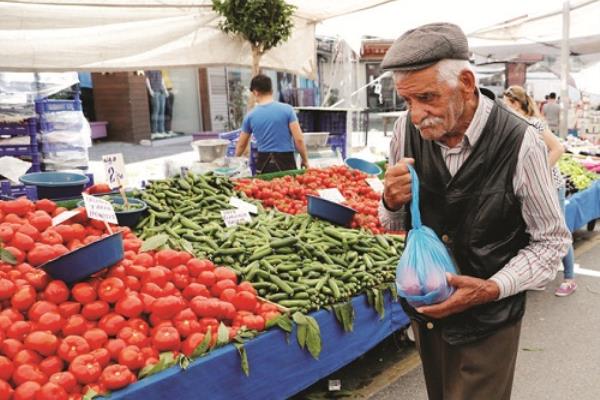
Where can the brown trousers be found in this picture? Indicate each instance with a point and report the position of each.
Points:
(482, 370)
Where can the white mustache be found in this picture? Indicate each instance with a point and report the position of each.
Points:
(429, 122)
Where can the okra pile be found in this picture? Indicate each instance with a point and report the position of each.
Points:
(303, 263)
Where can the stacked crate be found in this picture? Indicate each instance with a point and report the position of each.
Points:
(27, 152)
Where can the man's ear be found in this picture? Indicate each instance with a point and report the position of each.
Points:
(467, 81)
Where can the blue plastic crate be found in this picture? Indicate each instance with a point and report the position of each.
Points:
(10, 191)
(45, 105)
(333, 122)
(61, 147)
(25, 128)
(232, 135)
(306, 119)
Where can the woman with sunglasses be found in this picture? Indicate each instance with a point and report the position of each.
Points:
(519, 101)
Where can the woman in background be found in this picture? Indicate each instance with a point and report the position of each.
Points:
(518, 100)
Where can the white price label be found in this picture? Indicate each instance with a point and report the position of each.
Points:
(99, 209)
(243, 205)
(64, 216)
(235, 217)
(331, 195)
(114, 169)
(375, 184)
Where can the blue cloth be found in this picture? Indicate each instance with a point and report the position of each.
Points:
(568, 260)
(85, 79)
(278, 370)
(583, 207)
(269, 123)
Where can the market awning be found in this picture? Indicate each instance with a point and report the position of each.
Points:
(58, 35)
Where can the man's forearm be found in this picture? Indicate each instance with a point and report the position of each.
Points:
(301, 147)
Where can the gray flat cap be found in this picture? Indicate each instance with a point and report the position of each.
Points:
(424, 46)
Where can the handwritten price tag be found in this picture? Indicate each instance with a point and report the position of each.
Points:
(243, 205)
(114, 169)
(331, 195)
(235, 217)
(99, 209)
(375, 184)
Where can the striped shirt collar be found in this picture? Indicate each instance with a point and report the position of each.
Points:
(475, 128)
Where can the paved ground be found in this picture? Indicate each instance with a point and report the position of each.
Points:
(559, 348)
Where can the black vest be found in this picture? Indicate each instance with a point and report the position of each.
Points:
(477, 215)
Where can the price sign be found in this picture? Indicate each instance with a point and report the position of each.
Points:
(331, 195)
(243, 205)
(99, 209)
(64, 216)
(235, 217)
(375, 184)
(114, 169)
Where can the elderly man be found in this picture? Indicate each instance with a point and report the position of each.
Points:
(486, 191)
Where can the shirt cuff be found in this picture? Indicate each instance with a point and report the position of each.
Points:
(507, 283)
(392, 220)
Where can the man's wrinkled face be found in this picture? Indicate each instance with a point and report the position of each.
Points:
(435, 106)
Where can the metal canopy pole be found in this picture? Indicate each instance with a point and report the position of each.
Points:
(564, 71)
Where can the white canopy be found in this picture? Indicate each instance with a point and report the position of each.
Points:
(98, 35)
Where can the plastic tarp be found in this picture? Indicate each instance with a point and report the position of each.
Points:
(53, 35)
(583, 207)
(278, 369)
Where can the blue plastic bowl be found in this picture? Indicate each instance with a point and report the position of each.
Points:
(56, 185)
(330, 211)
(87, 260)
(363, 165)
(126, 218)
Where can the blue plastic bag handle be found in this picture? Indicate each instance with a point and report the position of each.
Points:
(415, 213)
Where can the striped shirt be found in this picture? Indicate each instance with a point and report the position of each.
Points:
(541, 126)
(536, 264)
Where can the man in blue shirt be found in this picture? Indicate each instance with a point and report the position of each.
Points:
(276, 129)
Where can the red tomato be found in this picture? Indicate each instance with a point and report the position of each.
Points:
(7, 288)
(114, 347)
(144, 259)
(245, 301)
(22, 241)
(44, 343)
(139, 325)
(116, 377)
(167, 307)
(52, 365)
(83, 292)
(168, 258)
(95, 310)
(10, 347)
(51, 391)
(27, 356)
(19, 330)
(102, 356)
(246, 287)
(166, 338)
(69, 308)
(75, 325)
(111, 323)
(130, 306)
(65, 379)
(190, 344)
(86, 369)
(17, 253)
(96, 338)
(131, 357)
(23, 298)
(221, 285)
(73, 346)
(132, 336)
(228, 295)
(27, 391)
(6, 368)
(196, 266)
(222, 273)
(206, 278)
(51, 321)
(27, 372)
(56, 292)
(46, 205)
(111, 290)
(39, 308)
(6, 392)
(195, 289)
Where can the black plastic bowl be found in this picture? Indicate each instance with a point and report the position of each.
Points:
(80, 263)
(56, 185)
(330, 211)
(126, 218)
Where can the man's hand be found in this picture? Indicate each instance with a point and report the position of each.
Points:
(469, 292)
(304, 164)
(396, 184)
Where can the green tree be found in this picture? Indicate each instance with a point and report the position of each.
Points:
(263, 23)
